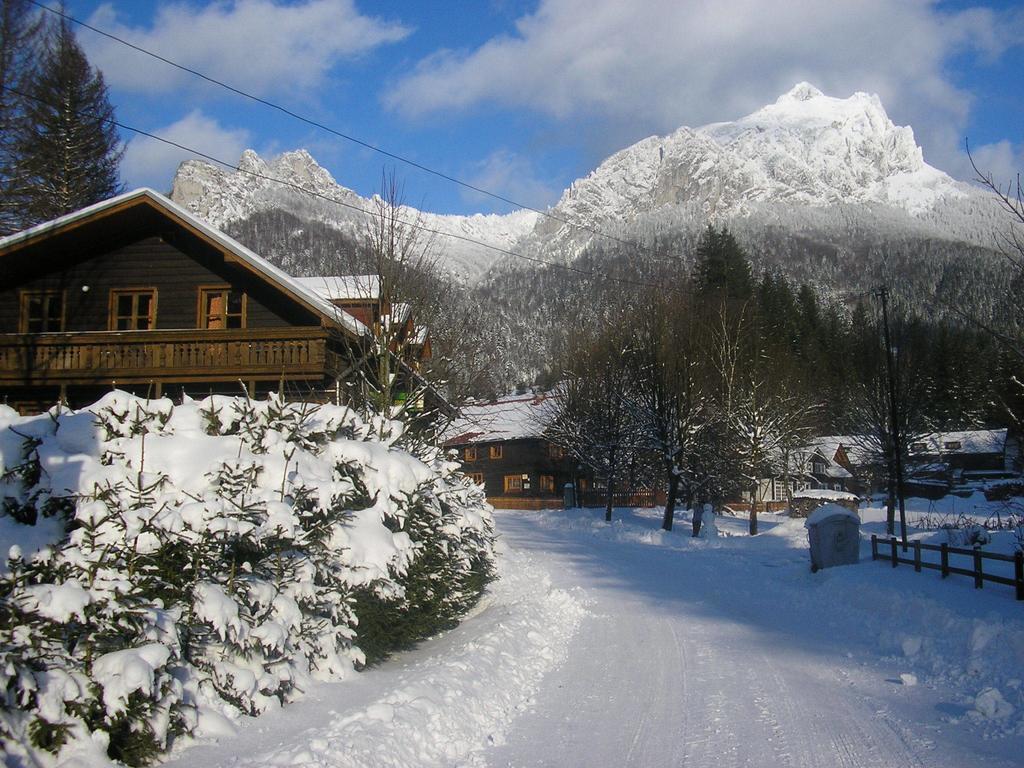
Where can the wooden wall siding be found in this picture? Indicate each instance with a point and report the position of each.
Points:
(168, 355)
(151, 262)
(527, 456)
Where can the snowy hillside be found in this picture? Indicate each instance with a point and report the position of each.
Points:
(810, 164)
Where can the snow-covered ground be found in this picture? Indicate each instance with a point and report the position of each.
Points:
(616, 645)
(444, 703)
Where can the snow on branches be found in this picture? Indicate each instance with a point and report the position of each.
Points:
(216, 558)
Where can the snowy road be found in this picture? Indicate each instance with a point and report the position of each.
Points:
(686, 660)
(690, 653)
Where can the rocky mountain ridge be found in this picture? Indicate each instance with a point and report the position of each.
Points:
(835, 170)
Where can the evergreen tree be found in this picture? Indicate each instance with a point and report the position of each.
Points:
(66, 146)
(19, 31)
(723, 268)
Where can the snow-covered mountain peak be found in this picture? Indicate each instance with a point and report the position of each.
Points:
(855, 131)
(802, 91)
(804, 149)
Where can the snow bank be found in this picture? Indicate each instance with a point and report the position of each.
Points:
(459, 700)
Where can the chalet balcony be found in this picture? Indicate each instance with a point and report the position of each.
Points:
(186, 355)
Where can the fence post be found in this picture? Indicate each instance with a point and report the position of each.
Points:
(874, 547)
(895, 556)
(917, 556)
(1018, 573)
(979, 582)
(944, 547)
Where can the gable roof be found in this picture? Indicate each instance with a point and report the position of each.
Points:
(232, 249)
(511, 418)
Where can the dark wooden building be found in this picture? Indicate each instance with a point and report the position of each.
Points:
(964, 456)
(136, 292)
(502, 446)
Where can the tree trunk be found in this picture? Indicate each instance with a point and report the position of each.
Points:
(753, 509)
(890, 507)
(670, 501)
(608, 504)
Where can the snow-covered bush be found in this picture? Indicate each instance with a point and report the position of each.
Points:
(219, 554)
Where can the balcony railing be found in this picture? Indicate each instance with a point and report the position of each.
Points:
(178, 355)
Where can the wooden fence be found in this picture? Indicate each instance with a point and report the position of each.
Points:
(976, 554)
(599, 498)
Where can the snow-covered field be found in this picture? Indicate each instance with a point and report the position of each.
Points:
(621, 644)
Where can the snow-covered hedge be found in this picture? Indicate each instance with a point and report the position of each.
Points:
(219, 555)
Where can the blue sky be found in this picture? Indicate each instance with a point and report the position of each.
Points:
(521, 97)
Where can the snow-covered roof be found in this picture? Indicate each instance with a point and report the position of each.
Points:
(825, 511)
(824, 493)
(343, 287)
(828, 446)
(506, 419)
(858, 448)
(964, 441)
(255, 262)
(837, 472)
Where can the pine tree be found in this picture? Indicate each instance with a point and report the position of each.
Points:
(722, 268)
(66, 146)
(19, 33)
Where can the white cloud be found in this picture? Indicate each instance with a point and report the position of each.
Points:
(262, 46)
(517, 179)
(1001, 161)
(624, 70)
(151, 163)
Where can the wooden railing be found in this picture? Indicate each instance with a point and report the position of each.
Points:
(977, 556)
(90, 357)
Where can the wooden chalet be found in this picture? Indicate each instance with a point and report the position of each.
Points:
(136, 292)
(502, 447)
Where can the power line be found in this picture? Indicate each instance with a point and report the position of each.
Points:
(333, 131)
(342, 203)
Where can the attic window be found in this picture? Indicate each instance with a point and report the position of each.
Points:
(918, 447)
(952, 445)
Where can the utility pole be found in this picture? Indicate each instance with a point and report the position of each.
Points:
(894, 415)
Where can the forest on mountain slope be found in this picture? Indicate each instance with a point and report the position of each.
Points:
(515, 328)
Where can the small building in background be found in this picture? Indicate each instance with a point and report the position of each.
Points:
(502, 446)
(966, 456)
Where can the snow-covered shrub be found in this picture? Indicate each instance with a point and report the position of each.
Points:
(219, 554)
